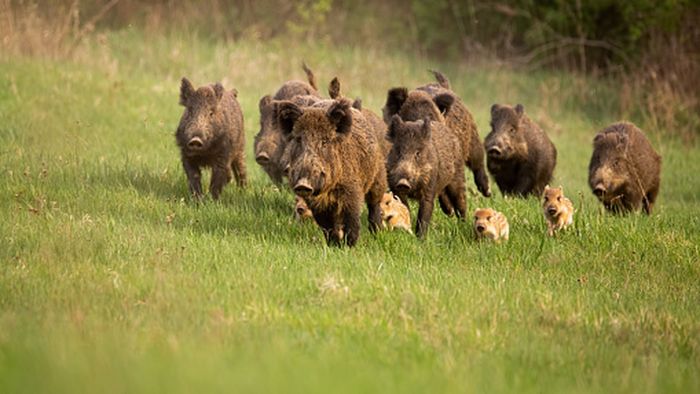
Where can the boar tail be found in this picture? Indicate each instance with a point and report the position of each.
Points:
(309, 75)
(441, 79)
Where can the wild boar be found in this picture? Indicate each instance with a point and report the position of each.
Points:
(338, 164)
(210, 134)
(425, 161)
(520, 156)
(625, 170)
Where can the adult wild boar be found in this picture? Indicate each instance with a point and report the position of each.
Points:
(269, 142)
(338, 164)
(440, 103)
(425, 161)
(211, 134)
(520, 156)
(625, 170)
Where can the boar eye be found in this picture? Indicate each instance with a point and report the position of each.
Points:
(559, 198)
(488, 218)
(512, 130)
(211, 112)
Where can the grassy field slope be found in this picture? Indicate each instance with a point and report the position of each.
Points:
(112, 280)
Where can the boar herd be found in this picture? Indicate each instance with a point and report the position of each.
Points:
(337, 156)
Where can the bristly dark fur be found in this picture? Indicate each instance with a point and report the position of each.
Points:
(625, 169)
(336, 165)
(528, 155)
(269, 144)
(428, 158)
(213, 117)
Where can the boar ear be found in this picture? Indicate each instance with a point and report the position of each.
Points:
(218, 91)
(394, 100)
(340, 115)
(520, 110)
(396, 121)
(334, 88)
(494, 109)
(444, 102)
(287, 115)
(357, 104)
(598, 137)
(186, 91)
(264, 102)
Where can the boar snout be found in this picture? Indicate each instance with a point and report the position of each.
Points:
(303, 187)
(195, 143)
(403, 186)
(599, 190)
(494, 151)
(480, 228)
(262, 158)
(552, 211)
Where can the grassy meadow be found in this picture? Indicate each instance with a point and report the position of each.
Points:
(113, 280)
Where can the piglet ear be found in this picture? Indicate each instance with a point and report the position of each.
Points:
(287, 115)
(494, 109)
(340, 115)
(395, 98)
(444, 102)
(218, 91)
(186, 91)
(520, 110)
(265, 101)
(334, 88)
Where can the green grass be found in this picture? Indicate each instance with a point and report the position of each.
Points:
(111, 279)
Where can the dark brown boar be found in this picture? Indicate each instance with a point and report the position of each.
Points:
(425, 161)
(462, 123)
(520, 156)
(438, 102)
(269, 143)
(339, 163)
(211, 134)
(625, 170)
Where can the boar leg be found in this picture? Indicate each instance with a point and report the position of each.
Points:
(523, 186)
(351, 221)
(445, 204)
(238, 167)
(326, 221)
(373, 200)
(194, 177)
(476, 164)
(220, 176)
(425, 213)
(649, 200)
(456, 193)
